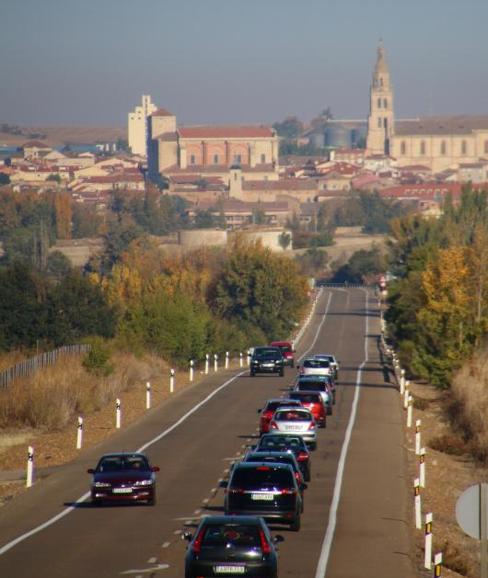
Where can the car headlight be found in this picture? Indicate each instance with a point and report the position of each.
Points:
(102, 485)
(143, 483)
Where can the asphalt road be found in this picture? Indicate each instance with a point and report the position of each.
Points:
(363, 532)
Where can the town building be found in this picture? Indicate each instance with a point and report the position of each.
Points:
(137, 126)
(439, 143)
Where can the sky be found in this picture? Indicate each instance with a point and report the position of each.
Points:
(87, 62)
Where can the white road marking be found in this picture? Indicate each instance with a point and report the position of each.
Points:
(176, 532)
(166, 545)
(146, 570)
(329, 535)
(6, 547)
(197, 512)
(206, 501)
(152, 560)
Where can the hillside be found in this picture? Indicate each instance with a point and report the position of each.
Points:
(59, 135)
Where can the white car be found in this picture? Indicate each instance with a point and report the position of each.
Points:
(297, 421)
(315, 366)
(332, 361)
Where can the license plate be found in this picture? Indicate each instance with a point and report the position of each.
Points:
(122, 491)
(267, 497)
(229, 569)
(268, 364)
(293, 427)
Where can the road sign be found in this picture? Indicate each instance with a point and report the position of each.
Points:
(472, 516)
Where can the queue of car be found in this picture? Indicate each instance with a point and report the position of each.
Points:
(267, 485)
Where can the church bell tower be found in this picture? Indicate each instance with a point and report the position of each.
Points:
(381, 118)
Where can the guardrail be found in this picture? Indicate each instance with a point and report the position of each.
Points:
(32, 365)
(341, 285)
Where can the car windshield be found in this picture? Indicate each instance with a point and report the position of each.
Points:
(261, 476)
(117, 463)
(292, 415)
(263, 353)
(235, 534)
(277, 443)
(316, 363)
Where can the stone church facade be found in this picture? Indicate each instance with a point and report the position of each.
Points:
(439, 143)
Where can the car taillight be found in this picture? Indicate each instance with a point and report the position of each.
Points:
(273, 425)
(234, 491)
(298, 477)
(288, 492)
(265, 547)
(302, 457)
(197, 543)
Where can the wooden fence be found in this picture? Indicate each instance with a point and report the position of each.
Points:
(30, 366)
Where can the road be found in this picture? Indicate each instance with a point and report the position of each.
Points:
(361, 532)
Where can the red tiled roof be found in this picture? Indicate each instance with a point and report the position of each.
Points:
(281, 185)
(229, 131)
(162, 112)
(422, 190)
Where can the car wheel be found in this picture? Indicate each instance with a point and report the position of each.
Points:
(295, 525)
(252, 373)
(282, 372)
(152, 501)
(329, 410)
(307, 475)
(97, 503)
(313, 446)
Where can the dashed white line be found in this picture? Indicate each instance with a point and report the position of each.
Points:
(152, 560)
(166, 545)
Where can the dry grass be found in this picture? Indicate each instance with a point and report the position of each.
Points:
(468, 405)
(29, 402)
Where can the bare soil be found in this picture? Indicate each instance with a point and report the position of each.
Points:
(60, 135)
(447, 476)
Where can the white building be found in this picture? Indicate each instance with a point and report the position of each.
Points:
(137, 126)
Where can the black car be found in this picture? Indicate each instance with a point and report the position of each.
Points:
(125, 477)
(264, 489)
(267, 360)
(231, 546)
(287, 443)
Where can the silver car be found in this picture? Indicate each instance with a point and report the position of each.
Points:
(297, 421)
(332, 361)
(315, 366)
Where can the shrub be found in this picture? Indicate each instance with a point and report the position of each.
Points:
(448, 444)
(97, 360)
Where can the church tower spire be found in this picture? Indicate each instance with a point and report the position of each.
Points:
(381, 119)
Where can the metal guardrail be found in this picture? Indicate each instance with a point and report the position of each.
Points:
(32, 365)
(342, 285)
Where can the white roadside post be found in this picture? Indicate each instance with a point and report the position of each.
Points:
(240, 359)
(402, 380)
(410, 411)
(117, 413)
(418, 504)
(192, 363)
(30, 467)
(79, 434)
(148, 395)
(438, 565)
(422, 467)
(428, 541)
(207, 357)
(216, 363)
(226, 360)
(171, 380)
(405, 398)
(418, 423)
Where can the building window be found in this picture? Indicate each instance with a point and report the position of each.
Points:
(216, 159)
(379, 102)
(381, 81)
(385, 103)
(403, 148)
(422, 148)
(464, 148)
(237, 159)
(379, 122)
(192, 159)
(443, 148)
(263, 159)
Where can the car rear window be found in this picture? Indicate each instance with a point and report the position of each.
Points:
(313, 386)
(284, 459)
(280, 443)
(267, 352)
(292, 415)
(307, 397)
(261, 475)
(114, 463)
(317, 363)
(236, 535)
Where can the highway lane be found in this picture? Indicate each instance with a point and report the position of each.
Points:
(135, 541)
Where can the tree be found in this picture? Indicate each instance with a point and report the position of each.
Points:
(284, 240)
(62, 205)
(4, 179)
(54, 177)
(290, 128)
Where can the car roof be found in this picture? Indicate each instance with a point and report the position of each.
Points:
(278, 343)
(313, 377)
(271, 454)
(238, 520)
(304, 392)
(257, 464)
(124, 455)
(291, 408)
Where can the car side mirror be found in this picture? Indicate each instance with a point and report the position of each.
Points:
(303, 486)
(188, 536)
(223, 483)
(90, 471)
(278, 538)
(251, 446)
(155, 469)
(260, 410)
(297, 366)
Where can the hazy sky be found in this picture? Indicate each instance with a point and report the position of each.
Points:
(241, 61)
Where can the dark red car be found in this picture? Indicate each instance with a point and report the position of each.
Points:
(268, 410)
(312, 401)
(287, 351)
(123, 477)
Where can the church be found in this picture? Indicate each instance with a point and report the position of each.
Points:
(438, 143)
